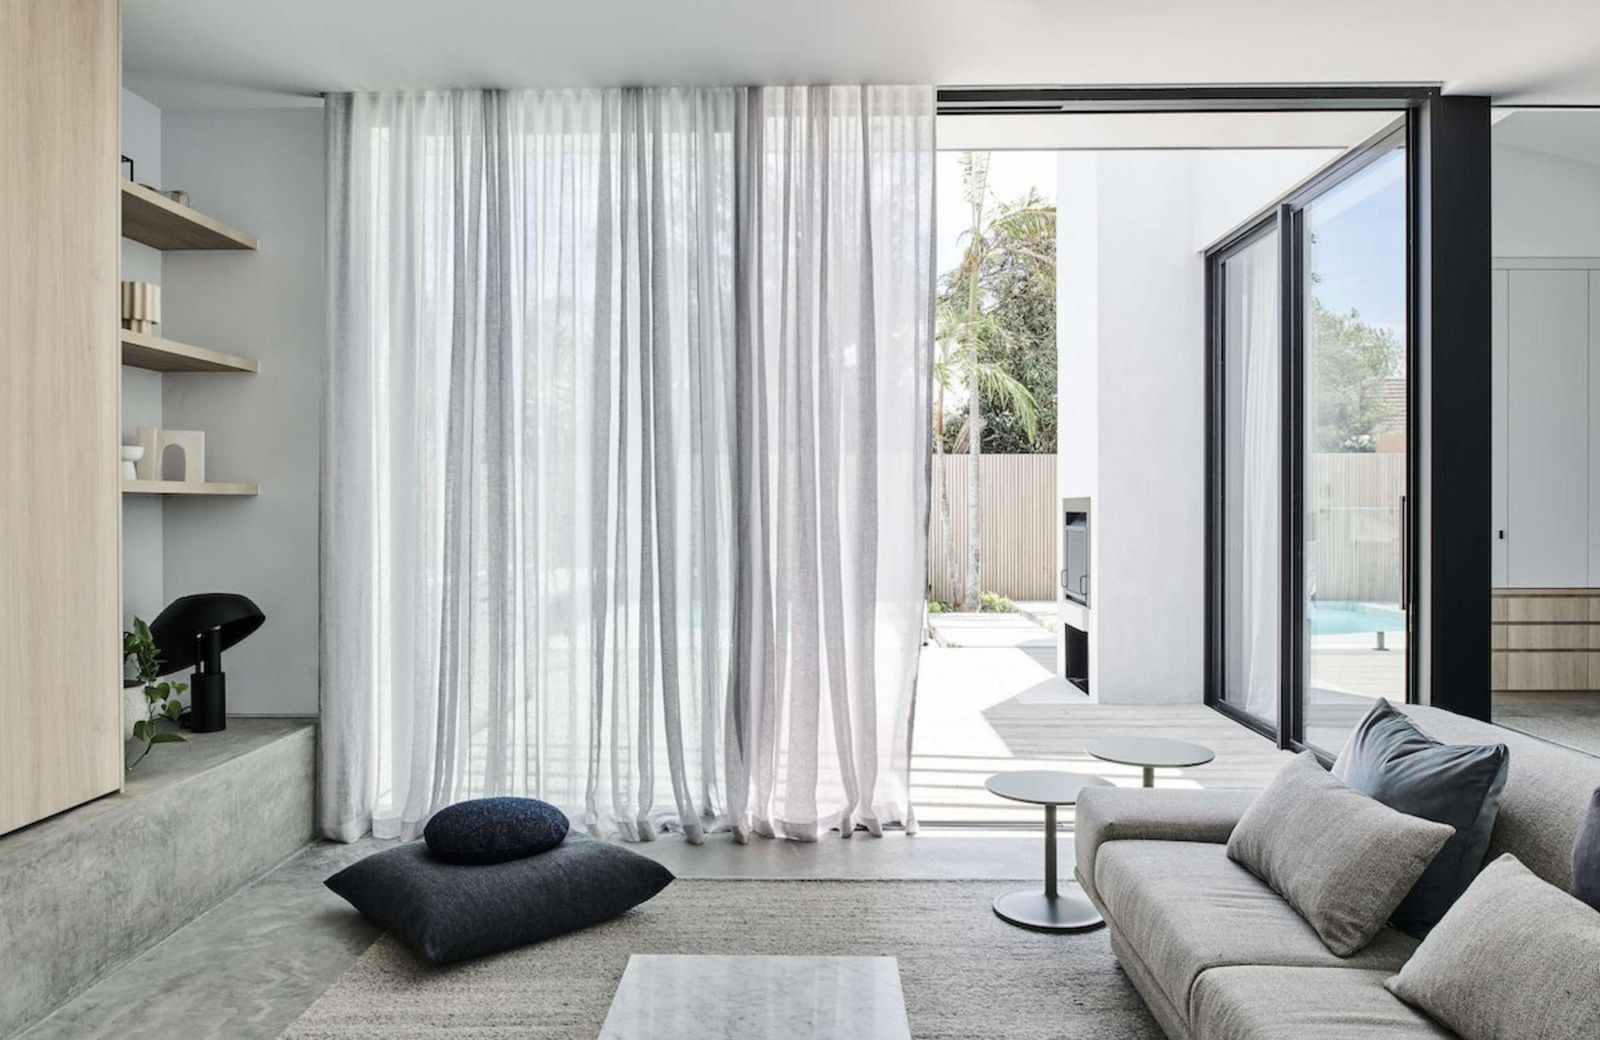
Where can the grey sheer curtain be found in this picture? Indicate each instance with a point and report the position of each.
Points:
(835, 375)
(583, 349)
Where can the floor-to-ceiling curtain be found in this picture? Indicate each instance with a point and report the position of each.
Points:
(836, 281)
(540, 460)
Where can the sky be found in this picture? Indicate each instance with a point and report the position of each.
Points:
(1359, 245)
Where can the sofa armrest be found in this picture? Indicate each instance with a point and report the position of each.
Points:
(1137, 813)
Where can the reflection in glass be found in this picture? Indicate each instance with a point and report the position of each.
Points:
(1355, 441)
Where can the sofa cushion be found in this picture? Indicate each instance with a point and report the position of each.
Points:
(1586, 856)
(494, 830)
(1546, 797)
(1390, 758)
(1108, 814)
(1515, 958)
(1342, 859)
(1186, 907)
(448, 912)
(1267, 1002)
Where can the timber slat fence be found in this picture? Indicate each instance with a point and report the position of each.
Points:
(1016, 524)
(1356, 523)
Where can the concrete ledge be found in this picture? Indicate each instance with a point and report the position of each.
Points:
(84, 891)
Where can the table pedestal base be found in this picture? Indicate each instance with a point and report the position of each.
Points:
(1067, 911)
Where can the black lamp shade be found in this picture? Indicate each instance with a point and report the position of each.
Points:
(177, 629)
(194, 630)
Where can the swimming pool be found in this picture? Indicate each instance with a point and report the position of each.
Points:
(1339, 619)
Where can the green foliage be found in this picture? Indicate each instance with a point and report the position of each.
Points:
(936, 607)
(160, 698)
(1352, 361)
(1002, 298)
(994, 603)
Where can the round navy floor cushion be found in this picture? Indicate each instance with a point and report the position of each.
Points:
(494, 830)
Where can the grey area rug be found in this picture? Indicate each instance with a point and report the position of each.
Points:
(966, 973)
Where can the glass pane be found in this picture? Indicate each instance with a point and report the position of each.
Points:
(1355, 442)
(1252, 511)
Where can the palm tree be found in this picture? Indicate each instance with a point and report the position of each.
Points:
(967, 323)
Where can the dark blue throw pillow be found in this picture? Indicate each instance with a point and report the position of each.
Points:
(494, 830)
(446, 912)
(1586, 856)
(1388, 758)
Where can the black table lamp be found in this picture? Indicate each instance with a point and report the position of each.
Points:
(194, 630)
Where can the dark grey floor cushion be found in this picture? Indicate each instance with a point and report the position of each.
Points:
(1390, 759)
(494, 830)
(1586, 856)
(449, 912)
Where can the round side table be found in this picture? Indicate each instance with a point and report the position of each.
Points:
(1149, 753)
(1051, 910)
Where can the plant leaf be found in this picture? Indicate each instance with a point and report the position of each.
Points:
(174, 709)
(167, 738)
(138, 730)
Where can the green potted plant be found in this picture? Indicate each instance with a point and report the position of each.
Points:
(160, 698)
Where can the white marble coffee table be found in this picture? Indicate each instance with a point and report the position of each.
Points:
(665, 997)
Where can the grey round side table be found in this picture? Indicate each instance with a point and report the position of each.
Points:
(1150, 753)
(1051, 910)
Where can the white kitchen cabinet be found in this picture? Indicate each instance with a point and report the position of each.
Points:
(1546, 458)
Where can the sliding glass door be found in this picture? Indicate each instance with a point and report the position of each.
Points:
(1351, 275)
(1309, 316)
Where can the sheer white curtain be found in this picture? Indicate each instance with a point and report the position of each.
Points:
(527, 561)
(533, 481)
(836, 283)
(1255, 331)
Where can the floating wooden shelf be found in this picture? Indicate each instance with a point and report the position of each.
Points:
(142, 350)
(180, 487)
(152, 218)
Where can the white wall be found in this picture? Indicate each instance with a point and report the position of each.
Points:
(262, 171)
(1544, 205)
(1132, 226)
(142, 581)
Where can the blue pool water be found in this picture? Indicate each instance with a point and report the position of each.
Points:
(1338, 619)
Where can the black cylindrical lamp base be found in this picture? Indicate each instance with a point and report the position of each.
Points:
(208, 702)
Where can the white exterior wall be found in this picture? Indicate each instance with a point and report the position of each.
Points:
(1132, 226)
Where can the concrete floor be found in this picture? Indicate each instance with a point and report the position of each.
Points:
(249, 967)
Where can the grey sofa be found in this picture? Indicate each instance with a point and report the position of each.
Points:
(1217, 955)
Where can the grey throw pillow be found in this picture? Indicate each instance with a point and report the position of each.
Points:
(448, 912)
(1515, 958)
(1340, 858)
(1392, 760)
(1586, 856)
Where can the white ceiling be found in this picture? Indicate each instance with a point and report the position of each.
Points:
(247, 53)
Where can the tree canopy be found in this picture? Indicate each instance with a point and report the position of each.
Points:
(1353, 365)
(1014, 257)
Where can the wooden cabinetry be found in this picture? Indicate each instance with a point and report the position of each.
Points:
(60, 573)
